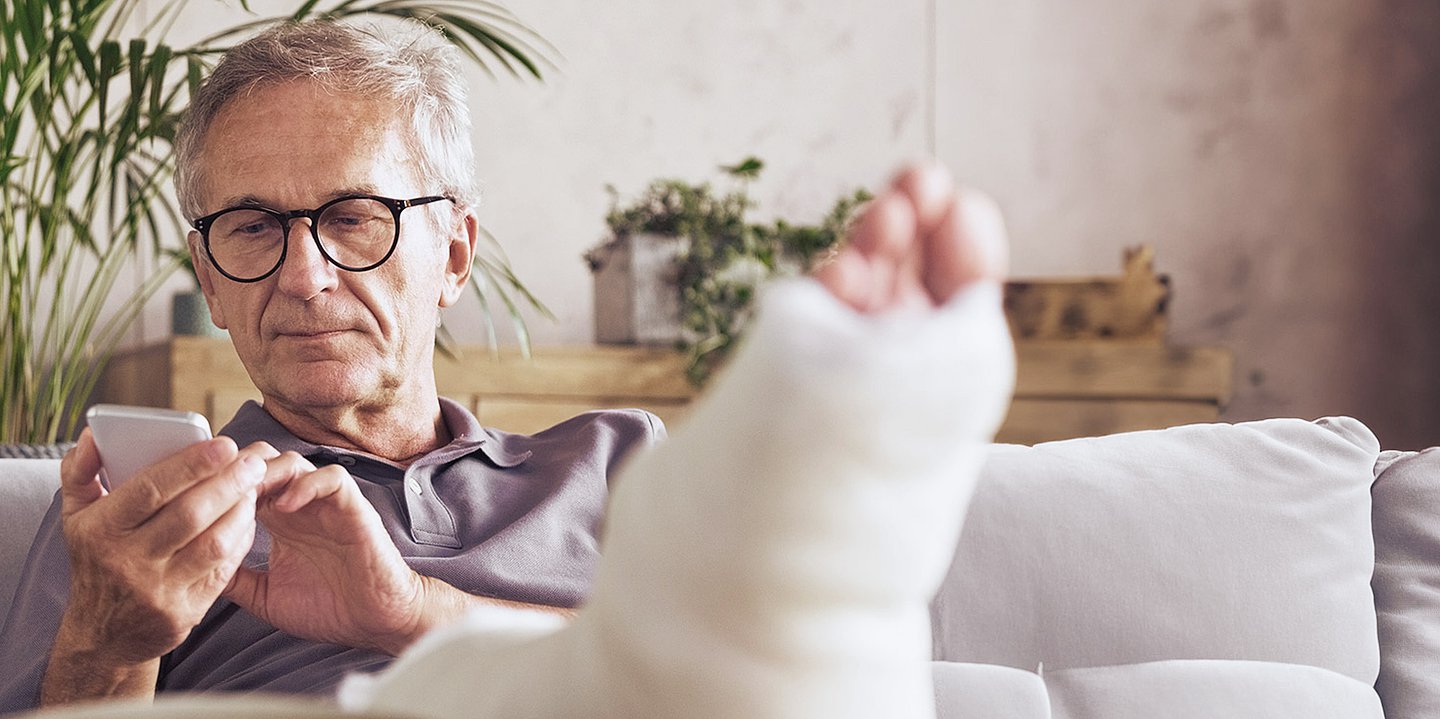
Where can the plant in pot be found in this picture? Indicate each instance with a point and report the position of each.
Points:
(189, 315)
(682, 264)
(89, 112)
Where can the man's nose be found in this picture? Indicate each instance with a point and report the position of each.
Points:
(305, 272)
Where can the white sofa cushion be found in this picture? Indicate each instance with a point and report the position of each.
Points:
(1200, 689)
(1176, 689)
(1407, 582)
(29, 486)
(1248, 541)
(971, 691)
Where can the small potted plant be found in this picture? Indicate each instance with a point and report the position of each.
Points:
(682, 263)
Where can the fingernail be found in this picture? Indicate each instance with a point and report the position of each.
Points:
(286, 504)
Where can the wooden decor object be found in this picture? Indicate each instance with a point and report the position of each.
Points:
(1130, 307)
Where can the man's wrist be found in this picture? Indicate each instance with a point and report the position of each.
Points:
(439, 604)
(81, 670)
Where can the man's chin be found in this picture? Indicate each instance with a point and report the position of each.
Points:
(323, 385)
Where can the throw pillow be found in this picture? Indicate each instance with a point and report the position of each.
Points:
(1209, 690)
(1247, 541)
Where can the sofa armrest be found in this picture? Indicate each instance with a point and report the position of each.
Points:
(27, 487)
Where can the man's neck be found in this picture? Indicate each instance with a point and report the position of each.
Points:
(400, 431)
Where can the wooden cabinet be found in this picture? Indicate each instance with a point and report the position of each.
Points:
(1065, 388)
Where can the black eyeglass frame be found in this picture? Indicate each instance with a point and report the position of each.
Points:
(203, 225)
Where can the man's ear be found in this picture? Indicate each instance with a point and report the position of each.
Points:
(460, 258)
(205, 275)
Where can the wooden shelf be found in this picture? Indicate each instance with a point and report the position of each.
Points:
(1064, 388)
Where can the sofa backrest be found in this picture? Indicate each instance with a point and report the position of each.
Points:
(27, 487)
(1249, 541)
(1280, 541)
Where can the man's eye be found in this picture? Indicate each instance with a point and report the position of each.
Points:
(249, 230)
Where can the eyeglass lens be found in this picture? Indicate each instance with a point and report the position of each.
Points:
(355, 234)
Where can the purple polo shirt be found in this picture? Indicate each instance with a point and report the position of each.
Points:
(496, 514)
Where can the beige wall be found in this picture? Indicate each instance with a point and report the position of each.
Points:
(1280, 154)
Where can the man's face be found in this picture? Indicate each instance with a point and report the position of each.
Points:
(312, 335)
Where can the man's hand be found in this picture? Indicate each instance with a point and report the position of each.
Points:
(334, 574)
(146, 561)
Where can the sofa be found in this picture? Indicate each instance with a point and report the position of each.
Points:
(1280, 568)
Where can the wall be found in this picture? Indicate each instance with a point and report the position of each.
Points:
(1280, 154)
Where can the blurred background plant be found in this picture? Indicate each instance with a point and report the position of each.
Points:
(90, 111)
(724, 257)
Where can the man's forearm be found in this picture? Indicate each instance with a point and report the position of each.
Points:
(473, 600)
(79, 671)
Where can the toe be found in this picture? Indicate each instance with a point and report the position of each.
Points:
(886, 229)
(847, 277)
(969, 245)
(930, 188)
(876, 266)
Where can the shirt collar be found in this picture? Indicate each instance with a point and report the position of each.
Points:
(253, 424)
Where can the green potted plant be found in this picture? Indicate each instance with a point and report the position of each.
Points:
(88, 117)
(189, 314)
(686, 255)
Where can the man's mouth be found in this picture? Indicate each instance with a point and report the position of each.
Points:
(310, 334)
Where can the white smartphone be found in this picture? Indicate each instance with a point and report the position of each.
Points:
(133, 438)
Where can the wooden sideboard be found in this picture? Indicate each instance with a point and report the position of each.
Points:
(1065, 388)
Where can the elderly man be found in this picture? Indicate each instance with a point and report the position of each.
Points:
(328, 170)
(362, 467)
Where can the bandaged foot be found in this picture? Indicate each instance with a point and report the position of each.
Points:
(776, 557)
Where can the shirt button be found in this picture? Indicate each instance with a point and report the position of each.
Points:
(414, 486)
(347, 461)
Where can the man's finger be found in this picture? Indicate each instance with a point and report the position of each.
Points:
(261, 449)
(196, 511)
(322, 483)
(213, 555)
(160, 483)
(281, 470)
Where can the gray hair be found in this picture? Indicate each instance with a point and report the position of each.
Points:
(410, 64)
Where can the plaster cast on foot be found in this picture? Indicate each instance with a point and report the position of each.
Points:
(775, 557)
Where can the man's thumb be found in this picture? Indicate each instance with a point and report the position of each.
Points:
(80, 474)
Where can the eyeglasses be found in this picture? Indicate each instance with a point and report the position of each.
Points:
(356, 233)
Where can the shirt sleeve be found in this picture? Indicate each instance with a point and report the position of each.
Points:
(34, 619)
